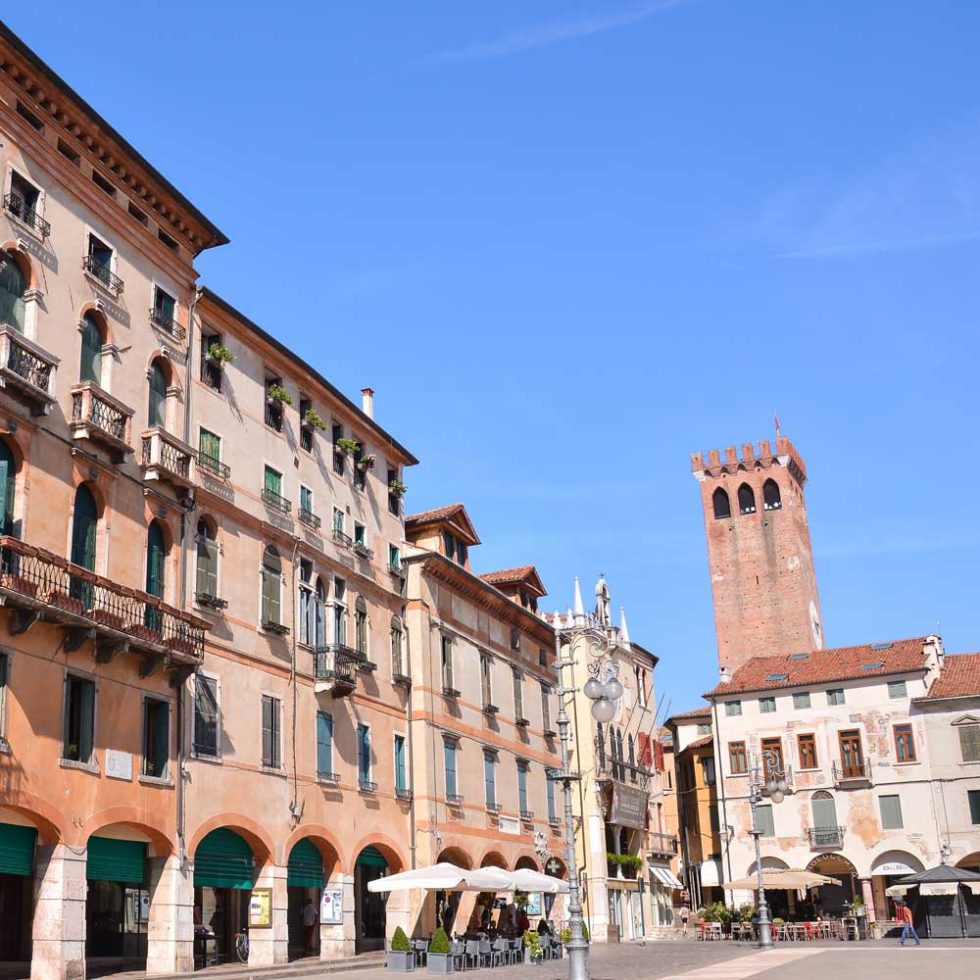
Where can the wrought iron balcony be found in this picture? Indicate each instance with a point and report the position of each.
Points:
(276, 501)
(335, 666)
(361, 549)
(527, 816)
(454, 799)
(451, 693)
(27, 370)
(99, 418)
(324, 776)
(38, 584)
(494, 807)
(166, 458)
(212, 466)
(103, 275)
(18, 207)
(167, 323)
(851, 775)
(826, 837)
(662, 844)
(310, 519)
(366, 786)
(341, 538)
(403, 793)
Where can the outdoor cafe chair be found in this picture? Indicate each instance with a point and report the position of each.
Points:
(459, 955)
(486, 952)
(500, 952)
(473, 952)
(516, 950)
(421, 949)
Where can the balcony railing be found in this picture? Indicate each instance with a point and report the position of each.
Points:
(167, 323)
(341, 538)
(103, 275)
(166, 458)
(662, 843)
(40, 584)
(858, 773)
(310, 519)
(27, 368)
(454, 799)
(527, 815)
(397, 568)
(100, 418)
(826, 836)
(337, 665)
(403, 793)
(325, 776)
(361, 549)
(366, 786)
(213, 466)
(18, 207)
(276, 501)
(494, 807)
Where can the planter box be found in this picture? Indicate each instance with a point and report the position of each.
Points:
(400, 962)
(440, 963)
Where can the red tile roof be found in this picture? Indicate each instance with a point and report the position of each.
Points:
(703, 712)
(454, 514)
(436, 514)
(959, 678)
(823, 666)
(700, 742)
(525, 574)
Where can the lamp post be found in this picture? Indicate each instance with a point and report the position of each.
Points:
(768, 781)
(604, 696)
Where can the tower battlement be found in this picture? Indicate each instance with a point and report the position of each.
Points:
(753, 455)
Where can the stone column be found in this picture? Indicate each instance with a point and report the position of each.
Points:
(170, 931)
(399, 912)
(270, 947)
(869, 904)
(60, 893)
(338, 940)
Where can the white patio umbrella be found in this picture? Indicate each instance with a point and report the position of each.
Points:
(445, 877)
(527, 880)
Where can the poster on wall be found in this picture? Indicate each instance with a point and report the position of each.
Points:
(331, 910)
(533, 903)
(260, 909)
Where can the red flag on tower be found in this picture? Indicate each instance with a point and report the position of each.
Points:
(776, 417)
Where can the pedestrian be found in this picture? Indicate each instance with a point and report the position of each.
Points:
(904, 915)
(685, 914)
(309, 924)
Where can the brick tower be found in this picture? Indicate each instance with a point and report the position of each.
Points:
(762, 576)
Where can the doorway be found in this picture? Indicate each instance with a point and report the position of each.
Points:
(369, 906)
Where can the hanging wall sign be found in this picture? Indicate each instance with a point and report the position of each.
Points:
(331, 906)
(260, 909)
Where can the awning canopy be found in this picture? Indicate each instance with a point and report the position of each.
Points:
(528, 880)
(944, 873)
(897, 891)
(666, 877)
(17, 849)
(446, 877)
(109, 859)
(787, 880)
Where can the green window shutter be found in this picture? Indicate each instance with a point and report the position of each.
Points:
(116, 860)
(223, 860)
(206, 715)
(400, 762)
(764, 817)
(17, 850)
(364, 753)
(12, 289)
(522, 787)
(324, 742)
(210, 444)
(207, 565)
(891, 812)
(86, 725)
(973, 795)
(154, 560)
(549, 782)
(84, 525)
(157, 413)
(91, 366)
(273, 481)
(305, 868)
(270, 596)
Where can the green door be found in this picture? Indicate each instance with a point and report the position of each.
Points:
(17, 850)
(12, 289)
(157, 412)
(154, 571)
(305, 868)
(223, 860)
(91, 366)
(116, 860)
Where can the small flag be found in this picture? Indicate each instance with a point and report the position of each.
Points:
(776, 417)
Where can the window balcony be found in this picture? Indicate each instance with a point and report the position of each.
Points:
(210, 601)
(397, 569)
(451, 693)
(490, 709)
(494, 807)
(401, 680)
(344, 540)
(522, 722)
(366, 786)
(276, 501)
(15, 205)
(166, 458)
(37, 584)
(454, 799)
(206, 463)
(27, 370)
(310, 519)
(324, 776)
(403, 793)
(363, 551)
(832, 837)
(662, 845)
(527, 816)
(335, 669)
(167, 324)
(850, 777)
(102, 275)
(99, 418)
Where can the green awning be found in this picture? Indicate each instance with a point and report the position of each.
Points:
(116, 860)
(223, 860)
(305, 868)
(371, 857)
(17, 849)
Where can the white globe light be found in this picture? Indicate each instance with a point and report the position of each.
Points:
(592, 689)
(771, 787)
(603, 710)
(782, 786)
(613, 689)
(776, 797)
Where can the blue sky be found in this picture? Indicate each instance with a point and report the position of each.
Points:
(568, 243)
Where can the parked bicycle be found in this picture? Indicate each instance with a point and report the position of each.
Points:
(241, 946)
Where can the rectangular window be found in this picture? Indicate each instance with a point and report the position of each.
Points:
(31, 118)
(835, 696)
(897, 689)
(136, 213)
(206, 716)
(801, 699)
(808, 751)
(306, 500)
(305, 429)
(4, 666)
(522, 787)
(549, 783)
(449, 749)
(336, 434)
(363, 754)
(737, 759)
(79, 719)
(99, 260)
(211, 364)
(970, 742)
(210, 451)
(545, 708)
(360, 534)
(156, 737)
(704, 729)
(708, 770)
(518, 695)
(360, 471)
(447, 662)
(324, 745)
(891, 812)
(973, 797)
(273, 481)
(394, 495)
(490, 777)
(401, 780)
(271, 755)
(772, 756)
(713, 819)
(171, 243)
(767, 705)
(24, 201)
(904, 743)
(394, 556)
(764, 821)
(69, 153)
(641, 686)
(397, 665)
(338, 520)
(164, 312)
(486, 679)
(733, 708)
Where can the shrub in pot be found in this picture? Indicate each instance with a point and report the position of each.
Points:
(400, 957)
(440, 959)
(532, 946)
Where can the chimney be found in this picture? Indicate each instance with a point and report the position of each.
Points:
(725, 677)
(367, 402)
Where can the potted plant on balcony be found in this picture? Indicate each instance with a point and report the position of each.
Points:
(631, 864)
(278, 395)
(397, 489)
(366, 462)
(400, 957)
(346, 447)
(312, 421)
(219, 355)
(440, 958)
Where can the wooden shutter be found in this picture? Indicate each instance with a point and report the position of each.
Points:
(86, 719)
(324, 742)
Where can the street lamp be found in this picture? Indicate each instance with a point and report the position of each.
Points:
(767, 782)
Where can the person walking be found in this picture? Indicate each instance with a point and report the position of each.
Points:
(685, 914)
(908, 926)
(309, 924)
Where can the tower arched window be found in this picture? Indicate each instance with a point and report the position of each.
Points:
(206, 586)
(361, 626)
(8, 485)
(93, 337)
(771, 499)
(271, 574)
(746, 499)
(13, 288)
(721, 504)
(157, 403)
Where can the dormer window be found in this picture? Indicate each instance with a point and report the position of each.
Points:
(450, 543)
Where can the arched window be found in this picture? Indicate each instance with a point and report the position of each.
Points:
(340, 612)
(156, 550)
(770, 495)
(157, 407)
(271, 587)
(8, 484)
(397, 664)
(207, 563)
(824, 817)
(13, 286)
(632, 758)
(721, 504)
(361, 626)
(92, 340)
(84, 528)
(746, 499)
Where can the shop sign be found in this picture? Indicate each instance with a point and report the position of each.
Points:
(331, 906)
(893, 868)
(629, 807)
(260, 909)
